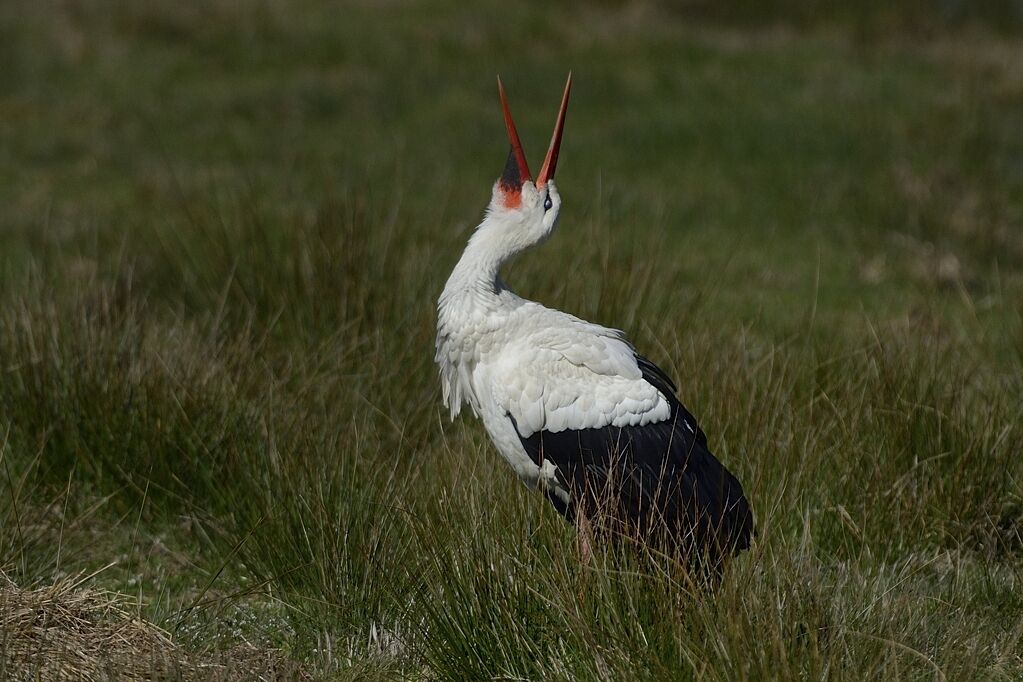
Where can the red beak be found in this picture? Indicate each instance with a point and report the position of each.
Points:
(516, 147)
(551, 162)
(516, 171)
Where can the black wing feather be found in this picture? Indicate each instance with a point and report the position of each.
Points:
(658, 482)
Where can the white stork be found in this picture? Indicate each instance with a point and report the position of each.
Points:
(569, 404)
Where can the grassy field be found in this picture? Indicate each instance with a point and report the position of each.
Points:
(224, 227)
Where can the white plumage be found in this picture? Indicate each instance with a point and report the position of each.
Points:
(507, 357)
(530, 372)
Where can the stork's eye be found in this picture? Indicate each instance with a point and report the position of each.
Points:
(547, 203)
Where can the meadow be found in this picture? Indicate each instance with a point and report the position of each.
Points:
(223, 230)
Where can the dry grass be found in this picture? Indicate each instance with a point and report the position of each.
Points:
(66, 631)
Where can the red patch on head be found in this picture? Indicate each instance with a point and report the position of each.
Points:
(511, 198)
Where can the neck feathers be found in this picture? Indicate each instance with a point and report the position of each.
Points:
(473, 295)
(478, 270)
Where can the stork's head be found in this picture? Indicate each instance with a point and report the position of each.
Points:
(520, 205)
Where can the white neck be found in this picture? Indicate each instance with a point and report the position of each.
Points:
(477, 273)
(475, 304)
(473, 291)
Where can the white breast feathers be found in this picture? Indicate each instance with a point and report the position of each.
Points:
(548, 371)
(573, 375)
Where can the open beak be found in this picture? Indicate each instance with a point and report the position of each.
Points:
(551, 162)
(517, 170)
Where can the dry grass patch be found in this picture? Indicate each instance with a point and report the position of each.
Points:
(66, 631)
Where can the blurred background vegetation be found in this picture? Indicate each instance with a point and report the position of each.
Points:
(223, 228)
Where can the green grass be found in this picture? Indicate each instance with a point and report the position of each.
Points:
(224, 231)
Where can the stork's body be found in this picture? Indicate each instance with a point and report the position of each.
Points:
(569, 404)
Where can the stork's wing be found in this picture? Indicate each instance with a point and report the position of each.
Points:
(610, 422)
(576, 377)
